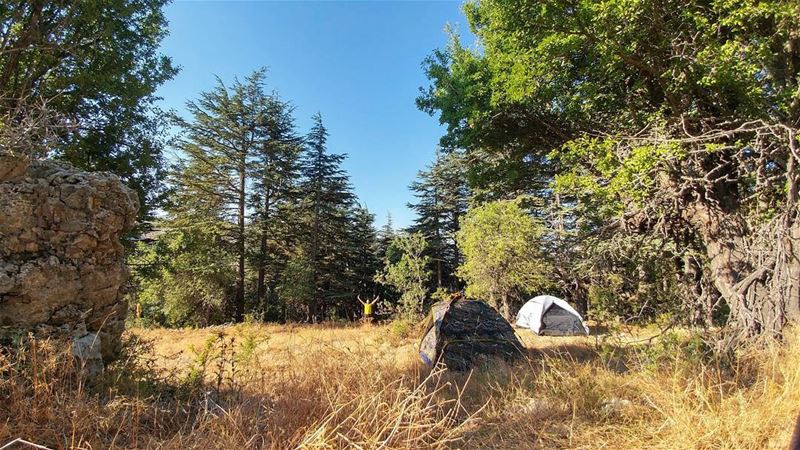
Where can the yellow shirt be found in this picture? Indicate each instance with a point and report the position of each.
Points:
(367, 309)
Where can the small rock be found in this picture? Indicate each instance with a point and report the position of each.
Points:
(616, 406)
(87, 350)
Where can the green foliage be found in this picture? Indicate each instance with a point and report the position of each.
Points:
(180, 280)
(338, 235)
(360, 252)
(273, 174)
(402, 327)
(259, 222)
(442, 193)
(502, 250)
(672, 349)
(441, 294)
(96, 66)
(224, 144)
(406, 269)
(611, 183)
(223, 360)
(297, 285)
(596, 107)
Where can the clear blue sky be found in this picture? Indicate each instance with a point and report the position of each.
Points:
(357, 62)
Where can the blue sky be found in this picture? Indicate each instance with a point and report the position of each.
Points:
(357, 62)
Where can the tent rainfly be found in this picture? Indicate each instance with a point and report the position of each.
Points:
(461, 332)
(550, 316)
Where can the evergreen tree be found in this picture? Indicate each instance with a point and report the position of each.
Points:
(442, 195)
(327, 199)
(363, 242)
(385, 237)
(188, 279)
(228, 126)
(274, 171)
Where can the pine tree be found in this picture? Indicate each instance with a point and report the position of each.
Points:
(228, 125)
(275, 172)
(364, 262)
(327, 198)
(191, 278)
(255, 207)
(386, 235)
(384, 238)
(442, 195)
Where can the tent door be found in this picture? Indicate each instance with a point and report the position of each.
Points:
(557, 321)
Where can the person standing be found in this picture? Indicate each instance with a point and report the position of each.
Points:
(368, 308)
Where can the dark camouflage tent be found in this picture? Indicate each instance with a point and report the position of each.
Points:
(460, 332)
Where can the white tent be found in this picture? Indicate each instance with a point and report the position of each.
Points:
(546, 314)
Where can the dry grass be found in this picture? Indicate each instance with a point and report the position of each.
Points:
(254, 386)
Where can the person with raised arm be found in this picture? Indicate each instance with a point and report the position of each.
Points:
(368, 308)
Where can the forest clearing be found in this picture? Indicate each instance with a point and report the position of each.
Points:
(334, 386)
(502, 224)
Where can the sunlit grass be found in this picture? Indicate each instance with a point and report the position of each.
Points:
(257, 386)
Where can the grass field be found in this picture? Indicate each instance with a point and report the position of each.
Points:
(327, 387)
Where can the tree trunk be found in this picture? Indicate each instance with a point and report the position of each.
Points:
(791, 240)
(439, 272)
(581, 299)
(505, 308)
(262, 272)
(262, 257)
(313, 305)
(238, 307)
(559, 216)
(456, 259)
(759, 282)
(697, 292)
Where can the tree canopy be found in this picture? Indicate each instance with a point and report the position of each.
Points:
(674, 122)
(93, 68)
(640, 157)
(254, 203)
(501, 244)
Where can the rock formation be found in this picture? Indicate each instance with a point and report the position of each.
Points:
(62, 267)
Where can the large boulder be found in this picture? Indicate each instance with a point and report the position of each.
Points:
(62, 267)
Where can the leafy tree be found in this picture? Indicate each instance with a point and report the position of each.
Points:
(506, 145)
(406, 269)
(500, 243)
(673, 121)
(94, 67)
(181, 280)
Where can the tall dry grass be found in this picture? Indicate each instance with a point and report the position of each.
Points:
(271, 387)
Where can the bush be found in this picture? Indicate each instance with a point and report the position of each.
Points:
(402, 327)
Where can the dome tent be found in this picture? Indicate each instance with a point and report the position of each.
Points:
(459, 331)
(551, 316)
